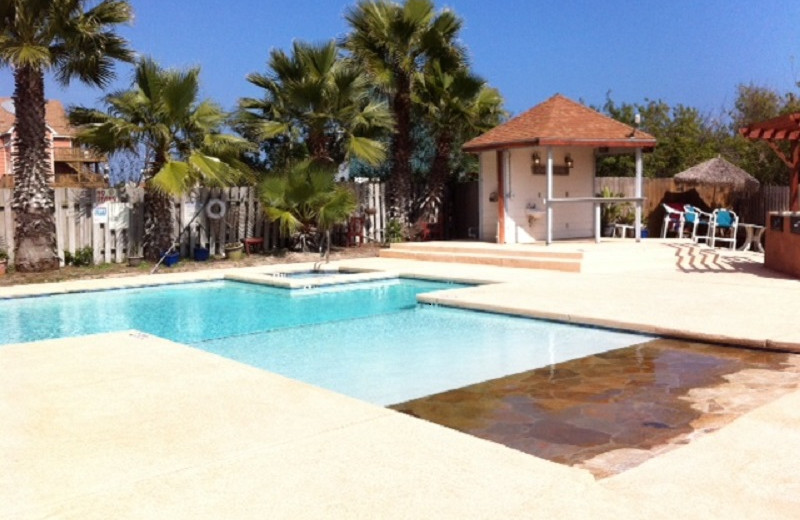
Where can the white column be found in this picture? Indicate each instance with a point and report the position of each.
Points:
(549, 207)
(597, 207)
(637, 223)
(510, 236)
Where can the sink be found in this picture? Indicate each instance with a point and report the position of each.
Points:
(534, 214)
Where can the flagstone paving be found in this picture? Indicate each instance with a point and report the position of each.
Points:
(612, 411)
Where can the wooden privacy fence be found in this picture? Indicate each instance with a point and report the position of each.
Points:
(111, 220)
(751, 207)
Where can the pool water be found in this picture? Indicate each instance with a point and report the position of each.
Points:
(368, 340)
(189, 313)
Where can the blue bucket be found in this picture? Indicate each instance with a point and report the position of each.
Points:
(201, 254)
(172, 259)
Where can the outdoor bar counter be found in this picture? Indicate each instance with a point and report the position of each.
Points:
(783, 242)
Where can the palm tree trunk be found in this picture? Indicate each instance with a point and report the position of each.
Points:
(440, 171)
(399, 186)
(33, 205)
(157, 218)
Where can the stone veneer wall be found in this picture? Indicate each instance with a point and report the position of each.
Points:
(783, 243)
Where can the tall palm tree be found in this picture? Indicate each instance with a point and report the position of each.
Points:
(315, 97)
(180, 137)
(394, 42)
(456, 105)
(74, 41)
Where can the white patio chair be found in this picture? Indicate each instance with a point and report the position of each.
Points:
(699, 221)
(723, 227)
(673, 220)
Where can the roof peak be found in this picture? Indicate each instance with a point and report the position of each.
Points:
(561, 121)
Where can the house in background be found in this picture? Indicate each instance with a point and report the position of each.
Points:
(537, 172)
(72, 166)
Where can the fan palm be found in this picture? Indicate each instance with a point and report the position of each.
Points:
(66, 37)
(394, 42)
(179, 136)
(315, 97)
(306, 202)
(455, 105)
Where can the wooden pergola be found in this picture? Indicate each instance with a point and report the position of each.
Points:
(784, 128)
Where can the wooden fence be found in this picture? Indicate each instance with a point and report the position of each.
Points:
(111, 221)
(751, 208)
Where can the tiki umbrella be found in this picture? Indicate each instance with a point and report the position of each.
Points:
(718, 172)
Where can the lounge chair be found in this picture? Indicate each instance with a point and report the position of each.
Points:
(696, 218)
(722, 227)
(673, 220)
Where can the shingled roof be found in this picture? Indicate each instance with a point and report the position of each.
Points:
(559, 121)
(54, 113)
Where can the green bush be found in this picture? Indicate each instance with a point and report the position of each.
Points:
(81, 257)
(394, 231)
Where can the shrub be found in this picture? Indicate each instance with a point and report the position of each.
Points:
(81, 257)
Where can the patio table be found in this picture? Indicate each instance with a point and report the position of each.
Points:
(752, 240)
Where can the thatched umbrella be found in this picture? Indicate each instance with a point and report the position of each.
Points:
(718, 172)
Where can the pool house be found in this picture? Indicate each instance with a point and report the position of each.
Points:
(537, 173)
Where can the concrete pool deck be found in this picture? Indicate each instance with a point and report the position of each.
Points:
(126, 425)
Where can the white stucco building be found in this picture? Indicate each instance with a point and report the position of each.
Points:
(537, 172)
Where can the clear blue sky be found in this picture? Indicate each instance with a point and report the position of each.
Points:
(680, 51)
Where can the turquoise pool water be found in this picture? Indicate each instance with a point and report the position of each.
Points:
(368, 340)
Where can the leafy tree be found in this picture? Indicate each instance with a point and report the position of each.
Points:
(317, 100)
(180, 137)
(754, 104)
(74, 41)
(685, 138)
(394, 42)
(306, 202)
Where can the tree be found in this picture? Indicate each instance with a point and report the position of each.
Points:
(456, 105)
(394, 42)
(306, 202)
(316, 99)
(180, 138)
(66, 37)
(754, 104)
(685, 138)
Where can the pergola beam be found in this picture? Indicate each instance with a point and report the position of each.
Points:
(784, 128)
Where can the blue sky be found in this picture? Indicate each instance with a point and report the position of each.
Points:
(692, 52)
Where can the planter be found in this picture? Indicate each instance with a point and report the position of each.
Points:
(3, 267)
(135, 261)
(234, 251)
(201, 254)
(172, 259)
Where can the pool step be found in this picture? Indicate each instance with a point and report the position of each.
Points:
(518, 258)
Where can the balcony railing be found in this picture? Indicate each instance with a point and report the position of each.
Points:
(77, 155)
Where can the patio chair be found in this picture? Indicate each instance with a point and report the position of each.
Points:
(723, 227)
(673, 220)
(697, 218)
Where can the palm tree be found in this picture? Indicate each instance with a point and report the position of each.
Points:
(307, 203)
(316, 98)
(394, 42)
(63, 36)
(456, 105)
(179, 136)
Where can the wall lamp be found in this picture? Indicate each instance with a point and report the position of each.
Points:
(535, 160)
(568, 161)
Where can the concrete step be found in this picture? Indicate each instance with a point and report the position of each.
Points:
(553, 263)
(478, 248)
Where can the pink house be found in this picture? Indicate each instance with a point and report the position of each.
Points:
(72, 166)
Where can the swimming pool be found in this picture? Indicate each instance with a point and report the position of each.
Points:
(368, 340)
